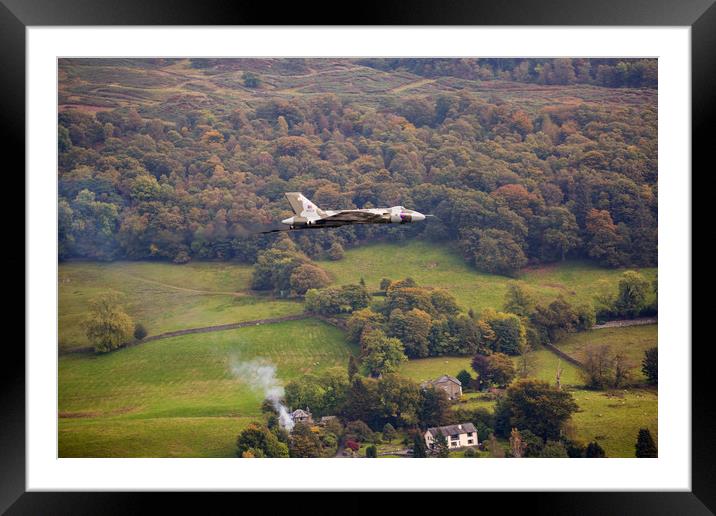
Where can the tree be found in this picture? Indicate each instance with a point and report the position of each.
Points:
(553, 450)
(465, 379)
(604, 240)
(650, 365)
(307, 276)
(362, 401)
(420, 449)
(304, 442)
(257, 437)
(498, 252)
(381, 354)
(389, 432)
(517, 445)
(622, 370)
(552, 322)
(509, 331)
(602, 368)
(358, 431)
(594, 451)
(433, 407)
(364, 320)
(560, 234)
(440, 446)
(500, 370)
(518, 300)
(412, 328)
(353, 367)
(336, 251)
(535, 405)
(645, 445)
(633, 289)
(598, 367)
(107, 326)
(139, 331)
(495, 369)
(494, 447)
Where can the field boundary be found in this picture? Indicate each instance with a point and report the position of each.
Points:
(554, 349)
(203, 329)
(623, 323)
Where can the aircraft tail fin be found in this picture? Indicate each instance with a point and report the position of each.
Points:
(302, 207)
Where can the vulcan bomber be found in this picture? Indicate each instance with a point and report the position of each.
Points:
(309, 216)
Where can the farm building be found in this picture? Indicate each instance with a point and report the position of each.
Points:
(458, 436)
(302, 416)
(448, 383)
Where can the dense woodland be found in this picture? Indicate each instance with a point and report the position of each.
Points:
(515, 173)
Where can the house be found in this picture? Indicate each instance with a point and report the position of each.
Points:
(302, 416)
(458, 436)
(448, 383)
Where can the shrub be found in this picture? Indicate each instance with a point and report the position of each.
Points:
(470, 453)
(371, 452)
(140, 331)
(389, 432)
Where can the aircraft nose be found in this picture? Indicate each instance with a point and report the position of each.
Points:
(417, 217)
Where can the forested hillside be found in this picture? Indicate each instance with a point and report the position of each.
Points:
(526, 161)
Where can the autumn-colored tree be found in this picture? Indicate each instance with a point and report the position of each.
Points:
(107, 325)
(307, 276)
(604, 240)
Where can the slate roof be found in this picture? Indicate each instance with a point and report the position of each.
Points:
(448, 378)
(449, 430)
(300, 413)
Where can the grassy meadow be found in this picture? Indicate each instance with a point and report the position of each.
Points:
(179, 396)
(434, 265)
(164, 297)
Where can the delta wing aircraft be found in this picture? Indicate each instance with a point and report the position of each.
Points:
(309, 216)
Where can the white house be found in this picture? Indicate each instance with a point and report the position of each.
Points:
(458, 436)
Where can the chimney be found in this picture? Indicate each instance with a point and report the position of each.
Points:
(459, 426)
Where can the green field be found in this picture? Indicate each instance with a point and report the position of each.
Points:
(434, 265)
(632, 341)
(163, 297)
(178, 396)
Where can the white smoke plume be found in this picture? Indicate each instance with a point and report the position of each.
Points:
(261, 377)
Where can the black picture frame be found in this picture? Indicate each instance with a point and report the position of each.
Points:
(17, 15)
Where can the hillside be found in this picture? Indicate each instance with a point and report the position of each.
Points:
(522, 163)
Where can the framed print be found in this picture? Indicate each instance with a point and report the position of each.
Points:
(259, 256)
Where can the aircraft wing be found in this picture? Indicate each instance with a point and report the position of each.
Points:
(355, 217)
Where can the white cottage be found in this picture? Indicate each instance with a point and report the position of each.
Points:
(463, 435)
